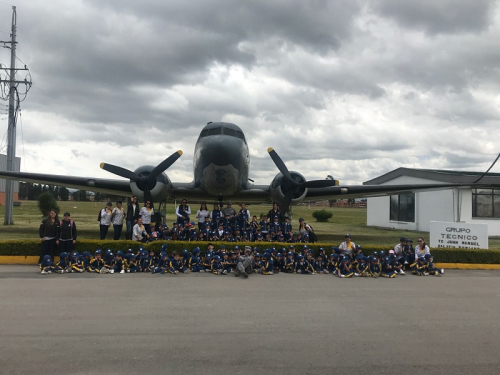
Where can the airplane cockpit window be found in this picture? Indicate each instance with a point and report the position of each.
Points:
(240, 135)
(230, 132)
(222, 130)
(214, 131)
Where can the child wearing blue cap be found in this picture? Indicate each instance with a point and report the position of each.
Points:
(431, 267)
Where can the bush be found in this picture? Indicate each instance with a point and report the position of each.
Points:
(441, 255)
(46, 202)
(322, 216)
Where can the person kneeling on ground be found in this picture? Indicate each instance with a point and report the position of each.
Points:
(244, 265)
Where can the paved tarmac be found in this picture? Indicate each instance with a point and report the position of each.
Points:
(280, 324)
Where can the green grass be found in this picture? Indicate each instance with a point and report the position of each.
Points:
(27, 219)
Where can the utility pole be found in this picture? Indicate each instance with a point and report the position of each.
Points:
(11, 133)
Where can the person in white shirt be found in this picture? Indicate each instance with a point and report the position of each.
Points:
(202, 213)
(421, 249)
(146, 213)
(347, 247)
(139, 232)
(117, 216)
(105, 221)
(398, 249)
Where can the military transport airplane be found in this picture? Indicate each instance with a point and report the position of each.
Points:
(221, 172)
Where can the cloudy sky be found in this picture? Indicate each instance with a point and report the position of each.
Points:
(349, 88)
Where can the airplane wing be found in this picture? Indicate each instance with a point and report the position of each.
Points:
(114, 187)
(363, 191)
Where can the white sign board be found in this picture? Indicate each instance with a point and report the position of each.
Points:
(459, 235)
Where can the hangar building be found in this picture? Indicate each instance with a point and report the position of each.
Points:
(415, 211)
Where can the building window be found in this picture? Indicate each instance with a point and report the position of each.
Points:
(486, 203)
(403, 207)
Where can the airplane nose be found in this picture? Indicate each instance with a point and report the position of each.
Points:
(224, 153)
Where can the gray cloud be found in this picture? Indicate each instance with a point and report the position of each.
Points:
(353, 89)
(435, 17)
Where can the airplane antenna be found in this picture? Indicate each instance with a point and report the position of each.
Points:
(14, 100)
(484, 174)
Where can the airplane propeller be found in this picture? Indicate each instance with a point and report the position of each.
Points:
(146, 183)
(294, 185)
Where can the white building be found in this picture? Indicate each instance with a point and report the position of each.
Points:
(415, 211)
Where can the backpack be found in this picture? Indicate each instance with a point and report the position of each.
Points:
(99, 216)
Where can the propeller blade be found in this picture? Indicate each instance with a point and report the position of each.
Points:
(147, 195)
(119, 171)
(318, 183)
(279, 163)
(164, 165)
(285, 204)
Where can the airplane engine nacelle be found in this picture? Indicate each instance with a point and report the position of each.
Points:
(159, 190)
(280, 186)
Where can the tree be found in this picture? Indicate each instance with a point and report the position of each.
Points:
(64, 194)
(46, 202)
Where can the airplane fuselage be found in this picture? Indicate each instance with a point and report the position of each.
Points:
(221, 160)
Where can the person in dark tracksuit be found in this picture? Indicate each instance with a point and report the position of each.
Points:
(302, 266)
(49, 234)
(387, 268)
(97, 263)
(344, 269)
(431, 267)
(217, 266)
(67, 235)
(176, 265)
(132, 215)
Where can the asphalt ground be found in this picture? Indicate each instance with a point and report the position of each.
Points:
(280, 324)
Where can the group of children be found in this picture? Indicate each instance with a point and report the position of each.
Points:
(223, 262)
(227, 230)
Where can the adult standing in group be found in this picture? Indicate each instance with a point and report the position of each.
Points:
(307, 230)
(146, 213)
(215, 215)
(202, 213)
(67, 237)
(105, 220)
(274, 212)
(243, 218)
(421, 250)
(49, 234)
(139, 232)
(183, 211)
(132, 215)
(347, 247)
(117, 216)
(229, 211)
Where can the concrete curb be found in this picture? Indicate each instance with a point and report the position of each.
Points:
(468, 266)
(33, 260)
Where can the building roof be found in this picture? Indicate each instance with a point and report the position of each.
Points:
(442, 175)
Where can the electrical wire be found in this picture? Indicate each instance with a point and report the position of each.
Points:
(484, 174)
